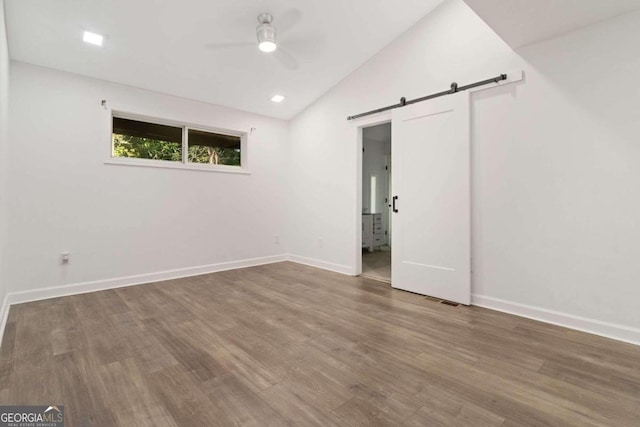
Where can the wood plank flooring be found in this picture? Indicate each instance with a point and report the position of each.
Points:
(286, 344)
(377, 264)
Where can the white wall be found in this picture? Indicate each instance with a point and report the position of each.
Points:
(556, 200)
(119, 221)
(4, 143)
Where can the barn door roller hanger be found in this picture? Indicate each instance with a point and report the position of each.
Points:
(453, 89)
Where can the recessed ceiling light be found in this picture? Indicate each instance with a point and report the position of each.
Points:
(277, 98)
(92, 38)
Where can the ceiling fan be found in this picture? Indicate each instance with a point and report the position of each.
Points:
(266, 33)
(268, 39)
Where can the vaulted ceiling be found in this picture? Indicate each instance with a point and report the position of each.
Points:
(523, 22)
(206, 49)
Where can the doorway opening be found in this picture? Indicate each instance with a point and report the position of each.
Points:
(376, 196)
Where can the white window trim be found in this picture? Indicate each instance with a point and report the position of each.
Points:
(184, 164)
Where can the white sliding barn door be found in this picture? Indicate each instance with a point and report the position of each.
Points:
(431, 184)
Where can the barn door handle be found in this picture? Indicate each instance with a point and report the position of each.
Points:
(394, 204)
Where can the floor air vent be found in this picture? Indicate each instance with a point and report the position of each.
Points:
(441, 301)
(451, 303)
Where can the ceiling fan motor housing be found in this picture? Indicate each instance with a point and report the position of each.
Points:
(266, 32)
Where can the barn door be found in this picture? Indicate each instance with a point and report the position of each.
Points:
(431, 198)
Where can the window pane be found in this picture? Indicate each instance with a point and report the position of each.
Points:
(142, 140)
(214, 148)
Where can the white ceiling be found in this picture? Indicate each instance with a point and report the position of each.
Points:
(522, 22)
(162, 45)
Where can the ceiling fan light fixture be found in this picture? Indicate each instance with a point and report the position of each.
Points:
(266, 33)
(267, 46)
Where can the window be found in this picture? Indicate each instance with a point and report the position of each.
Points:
(156, 143)
(213, 148)
(142, 140)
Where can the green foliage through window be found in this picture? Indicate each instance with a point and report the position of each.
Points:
(153, 141)
(146, 148)
(214, 155)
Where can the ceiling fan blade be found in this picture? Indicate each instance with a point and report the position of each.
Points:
(287, 20)
(306, 45)
(230, 45)
(285, 58)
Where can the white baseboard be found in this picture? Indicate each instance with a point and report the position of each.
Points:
(119, 282)
(597, 327)
(4, 315)
(312, 262)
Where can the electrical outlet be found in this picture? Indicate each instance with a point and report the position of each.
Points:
(65, 258)
(276, 240)
(320, 242)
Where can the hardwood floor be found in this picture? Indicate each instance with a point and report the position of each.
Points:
(285, 344)
(377, 264)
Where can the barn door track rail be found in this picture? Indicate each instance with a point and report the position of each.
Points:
(454, 89)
